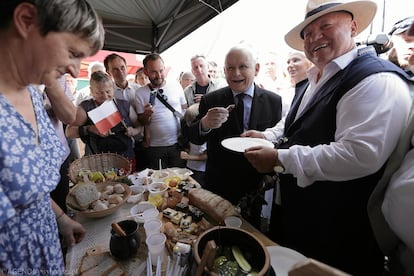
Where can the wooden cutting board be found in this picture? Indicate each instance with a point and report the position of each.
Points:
(315, 268)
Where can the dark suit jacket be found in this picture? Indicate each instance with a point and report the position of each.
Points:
(229, 174)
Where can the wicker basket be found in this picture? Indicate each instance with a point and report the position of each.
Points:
(102, 162)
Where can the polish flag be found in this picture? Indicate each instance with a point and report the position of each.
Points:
(105, 116)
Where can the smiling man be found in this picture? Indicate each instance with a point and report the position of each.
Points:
(229, 174)
(339, 134)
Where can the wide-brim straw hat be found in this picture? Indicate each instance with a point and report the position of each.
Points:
(363, 13)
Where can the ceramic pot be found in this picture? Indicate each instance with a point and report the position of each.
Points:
(257, 254)
(124, 247)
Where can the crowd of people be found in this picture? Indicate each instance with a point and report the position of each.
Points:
(338, 185)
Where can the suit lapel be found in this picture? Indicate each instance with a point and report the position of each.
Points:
(299, 92)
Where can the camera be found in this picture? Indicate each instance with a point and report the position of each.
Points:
(381, 42)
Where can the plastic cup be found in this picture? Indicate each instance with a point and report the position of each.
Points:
(157, 191)
(150, 214)
(152, 226)
(233, 221)
(137, 192)
(156, 245)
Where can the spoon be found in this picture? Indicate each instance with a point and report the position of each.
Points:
(118, 229)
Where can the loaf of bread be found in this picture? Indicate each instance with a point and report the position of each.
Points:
(213, 205)
(85, 194)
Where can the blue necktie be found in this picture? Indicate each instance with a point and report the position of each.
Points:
(240, 110)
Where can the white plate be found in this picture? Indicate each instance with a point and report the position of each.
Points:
(283, 259)
(240, 144)
(182, 173)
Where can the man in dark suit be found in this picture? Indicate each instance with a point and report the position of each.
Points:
(228, 173)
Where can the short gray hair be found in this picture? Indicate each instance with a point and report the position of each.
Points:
(72, 16)
(247, 49)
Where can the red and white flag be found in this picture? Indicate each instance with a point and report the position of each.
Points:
(105, 116)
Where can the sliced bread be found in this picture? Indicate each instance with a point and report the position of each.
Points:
(91, 261)
(116, 271)
(102, 268)
(85, 194)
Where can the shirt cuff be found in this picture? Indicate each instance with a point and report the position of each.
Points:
(202, 132)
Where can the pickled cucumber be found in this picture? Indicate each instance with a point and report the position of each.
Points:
(241, 261)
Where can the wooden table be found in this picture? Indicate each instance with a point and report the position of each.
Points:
(259, 235)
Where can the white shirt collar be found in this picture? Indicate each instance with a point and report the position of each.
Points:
(249, 91)
(332, 67)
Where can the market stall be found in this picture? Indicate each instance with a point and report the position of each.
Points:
(181, 198)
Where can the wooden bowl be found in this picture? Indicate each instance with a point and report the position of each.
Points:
(257, 256)
(72, 204)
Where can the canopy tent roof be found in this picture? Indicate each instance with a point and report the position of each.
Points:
(147, 26)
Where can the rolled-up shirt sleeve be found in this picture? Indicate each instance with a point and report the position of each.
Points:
(274, 133)
(370, 118)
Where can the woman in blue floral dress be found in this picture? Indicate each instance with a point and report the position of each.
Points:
(40, 41)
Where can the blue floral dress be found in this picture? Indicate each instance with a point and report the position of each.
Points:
(29, 241)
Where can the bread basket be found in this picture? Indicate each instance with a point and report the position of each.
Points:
(72, 205)
(102, 162)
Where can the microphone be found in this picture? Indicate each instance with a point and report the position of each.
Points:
(381, 42)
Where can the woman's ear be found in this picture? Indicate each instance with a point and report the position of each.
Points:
(25, 19)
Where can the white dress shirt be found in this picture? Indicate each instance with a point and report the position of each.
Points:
(370, 118)
(274, 133)
(164, 127)
(128, 93)
(398, 205)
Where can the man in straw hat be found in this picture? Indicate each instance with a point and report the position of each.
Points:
(338, 135)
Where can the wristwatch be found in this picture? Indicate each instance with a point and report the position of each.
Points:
(278, 169)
